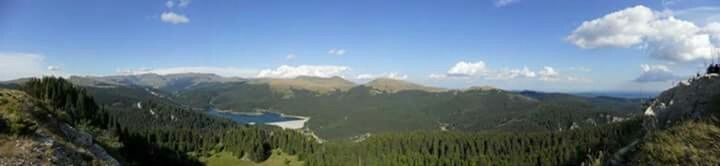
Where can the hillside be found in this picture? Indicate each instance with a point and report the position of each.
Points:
(690, 99)
(593, 103)
(30, 134)
(680, 127)
(688, 143)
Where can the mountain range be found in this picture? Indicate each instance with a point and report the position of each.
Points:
(150, 120)
(341, 109)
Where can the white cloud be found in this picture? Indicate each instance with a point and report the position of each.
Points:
(660, 34)
(678, 40)
(290, 56)
(395, 76)
(174, 18)
(512, 74)
(478, 69)
(437, 76)
(222, 71)
(286, 71)
(655, 73)
(53, 68)
(337, 51)
(169, 4)
(548, 74)
(19, 65)
(623, 28)
(503, 3)
(464, 69)
(647, 67)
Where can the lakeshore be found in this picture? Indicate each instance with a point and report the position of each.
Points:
(262, 117)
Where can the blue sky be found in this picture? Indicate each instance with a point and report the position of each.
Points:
(419, 40)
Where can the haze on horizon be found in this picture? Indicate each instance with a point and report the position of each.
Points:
(573, 46)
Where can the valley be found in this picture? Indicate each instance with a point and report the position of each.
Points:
(375, 107)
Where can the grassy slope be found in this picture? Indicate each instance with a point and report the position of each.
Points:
(689, 143)
(277, 159)
(15, 117)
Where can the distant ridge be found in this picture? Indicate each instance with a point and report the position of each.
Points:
(482, 88)
(316, 84)
(169, 82)
(393, 85)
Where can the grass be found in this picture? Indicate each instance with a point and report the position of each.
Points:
(13, 118)
(278, 158)
(225, 158)
(690, 143)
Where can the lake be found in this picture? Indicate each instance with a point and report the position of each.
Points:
(260, 118)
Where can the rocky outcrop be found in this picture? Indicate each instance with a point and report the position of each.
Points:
(85, 140)
(37, 137)
(688, 99)
(44, 148)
